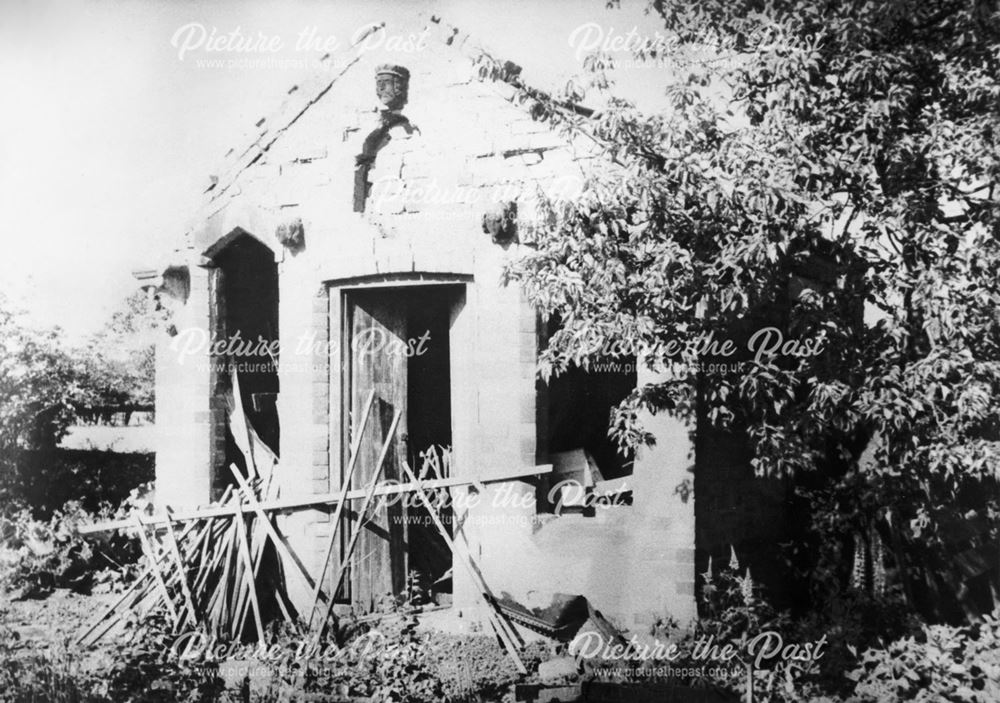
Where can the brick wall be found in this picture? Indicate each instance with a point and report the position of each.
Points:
(184, 419)
(473, 144)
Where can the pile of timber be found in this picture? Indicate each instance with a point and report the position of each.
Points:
(206, 568)
(202, 572)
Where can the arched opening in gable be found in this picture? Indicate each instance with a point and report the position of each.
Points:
(244, 357)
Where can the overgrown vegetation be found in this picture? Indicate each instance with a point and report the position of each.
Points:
(46, 384)
(829, 170)
(46, 491)
(871, 650)
(826, 169)
(118, 361)
(38, 556)
(100, 481)
(391, 661)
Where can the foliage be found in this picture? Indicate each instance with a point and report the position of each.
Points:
(851, 622)
(27, 677)
(735, 612)
(474, 667)
(45, 491)
(40, 549)
(38, 556)
(830, 170)
(944, 663)
(384, 663)
(799, 658)
(119, 359)
(38, 382)
(140, 671)
(43, 384)
(101, 481)
(397, 661)
(144, 669)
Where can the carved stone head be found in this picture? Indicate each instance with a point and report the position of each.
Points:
(392, 85)
(500, 222)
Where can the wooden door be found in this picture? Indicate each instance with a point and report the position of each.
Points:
(377, 325)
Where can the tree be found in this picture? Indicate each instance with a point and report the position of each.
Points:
(38, 382)
(832, 166)
(119, 360)
(45, 386)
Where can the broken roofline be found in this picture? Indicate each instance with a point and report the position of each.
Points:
(495, 69)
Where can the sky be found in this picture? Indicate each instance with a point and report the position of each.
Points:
(110, 127)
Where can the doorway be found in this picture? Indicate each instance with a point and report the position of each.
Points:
(399, 351)
(245, 307)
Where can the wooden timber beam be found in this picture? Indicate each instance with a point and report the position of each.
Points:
(305, 503)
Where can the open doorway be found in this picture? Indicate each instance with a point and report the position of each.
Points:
(246, 366)
(399, 352)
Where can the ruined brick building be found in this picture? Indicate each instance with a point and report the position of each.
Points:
(381, 203)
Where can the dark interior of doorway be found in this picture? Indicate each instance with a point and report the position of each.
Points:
(429, 423)
(400, 347)
(248, 321)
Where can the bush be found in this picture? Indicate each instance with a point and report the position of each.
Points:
(474, 667)
(38, 556)
(144, 670)
(852, 622)
(385, 663)
(101, 481)
(32, 677)
(40, 549)
(141, 671)
(390, 661)
(921, 663)
(734, 611)
(943, 663)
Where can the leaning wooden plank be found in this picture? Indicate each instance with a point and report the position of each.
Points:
(204, 557)
(339, 512)
(242, 583)
(248, 576)
(338, 515)
(479, 578)
(204, 552)
(346, 557)
(181, 571)
(126, 594)
(292, 504)
(220, 547)
(239, 428)
(260, 530)
(279, 596)
(222, 585)
(275, 537)
(119, 616)
(147, 548)
(247, 581)
(499, 621)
